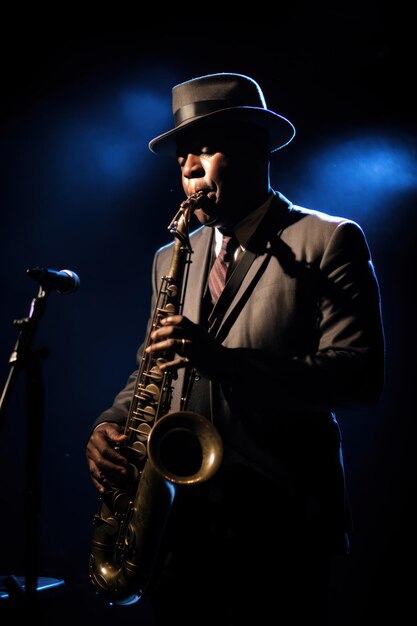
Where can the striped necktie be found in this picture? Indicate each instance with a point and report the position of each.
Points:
(218, 272)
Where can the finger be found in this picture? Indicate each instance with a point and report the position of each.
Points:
(98, 446)
(165, 332)
(113, 455)
(101, 484)
(174, 320)
(115, 436)
(183, 344)
(179, 345)
(175, 325)
(105, 459)
(98, 486)
(110, 431)
(99, 480)
(105, 486)
(178, 363)
(106, 469)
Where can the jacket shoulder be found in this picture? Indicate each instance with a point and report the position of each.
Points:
(320, 218)
(310, 219)
(320, 223)
(309, 232)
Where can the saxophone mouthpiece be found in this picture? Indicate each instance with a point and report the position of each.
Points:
(196, 196)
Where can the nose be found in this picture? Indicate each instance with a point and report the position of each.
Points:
(193, 168)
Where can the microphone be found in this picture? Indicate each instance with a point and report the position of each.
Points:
(64, 281)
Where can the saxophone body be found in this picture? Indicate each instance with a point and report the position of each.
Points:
(165, 451)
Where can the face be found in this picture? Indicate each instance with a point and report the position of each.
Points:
(224, 164)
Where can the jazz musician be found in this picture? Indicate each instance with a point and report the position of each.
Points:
(280, 327)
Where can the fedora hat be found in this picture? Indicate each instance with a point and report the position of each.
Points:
(221, 98)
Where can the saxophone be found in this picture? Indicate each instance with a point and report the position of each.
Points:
(165, 451)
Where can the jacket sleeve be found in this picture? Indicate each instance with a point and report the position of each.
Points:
(347, 367)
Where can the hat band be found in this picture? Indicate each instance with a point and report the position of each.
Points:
(197, 109)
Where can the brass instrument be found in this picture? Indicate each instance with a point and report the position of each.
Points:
(164, 451)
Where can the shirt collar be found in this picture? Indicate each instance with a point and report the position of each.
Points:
(247, 226)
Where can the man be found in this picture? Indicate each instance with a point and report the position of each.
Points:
(295, 334)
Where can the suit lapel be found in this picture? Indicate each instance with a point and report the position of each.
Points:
(270, 227)
(201, 242)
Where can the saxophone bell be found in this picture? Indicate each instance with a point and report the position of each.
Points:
(185, 448)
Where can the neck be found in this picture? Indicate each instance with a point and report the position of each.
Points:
(235, 222)
(258, 192)
(248, 202)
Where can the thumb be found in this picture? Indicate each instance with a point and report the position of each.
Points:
(117, 436)
(113, 432)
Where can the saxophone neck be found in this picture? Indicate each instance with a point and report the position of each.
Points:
(180, 224)
(180, 227)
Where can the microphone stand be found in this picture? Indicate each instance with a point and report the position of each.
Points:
(23, 357)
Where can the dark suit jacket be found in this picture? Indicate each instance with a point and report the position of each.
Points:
(305, 337)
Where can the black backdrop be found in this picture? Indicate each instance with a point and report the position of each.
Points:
(80, 190)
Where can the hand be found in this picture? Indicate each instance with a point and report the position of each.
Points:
(104, 462)
(190, 342)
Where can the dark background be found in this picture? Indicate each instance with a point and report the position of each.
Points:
(80, 190)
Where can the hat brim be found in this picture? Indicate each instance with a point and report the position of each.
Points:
(281, 131)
